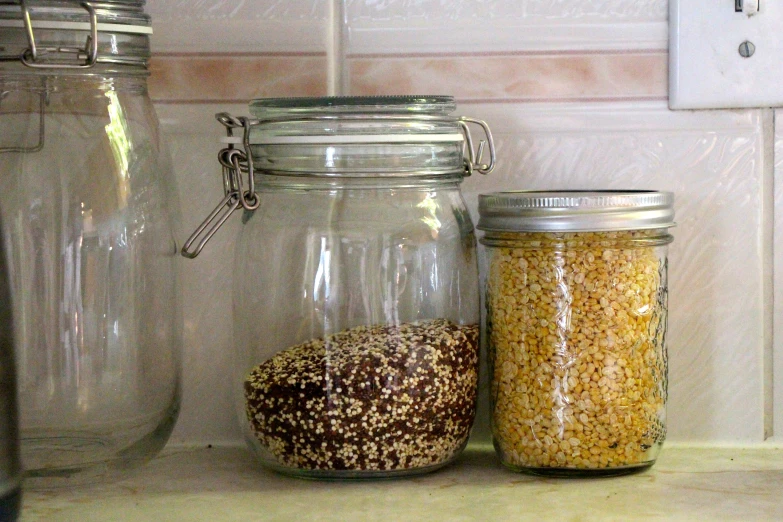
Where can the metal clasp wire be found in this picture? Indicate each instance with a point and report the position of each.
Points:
(236, 164)
(473, 161)
(212, 224)
(89, 53)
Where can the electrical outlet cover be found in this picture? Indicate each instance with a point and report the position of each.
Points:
(706, 43)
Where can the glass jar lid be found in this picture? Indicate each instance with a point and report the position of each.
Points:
(575, 211)
(265, 107)
(367, 137)
(360, 136)
(63, 34)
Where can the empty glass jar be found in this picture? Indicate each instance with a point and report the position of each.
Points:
(576, 323)
(356, 299)
(88, 213)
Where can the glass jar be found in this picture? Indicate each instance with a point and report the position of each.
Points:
(10, 468)
(576, 298)
(356, 298)
(88, 211)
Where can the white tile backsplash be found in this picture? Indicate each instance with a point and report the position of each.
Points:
(226, 10)
(245, 26)
(486, 11)
(421, 26)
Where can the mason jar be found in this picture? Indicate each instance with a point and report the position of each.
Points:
(88, 209)
(356, 297)
(576, 299)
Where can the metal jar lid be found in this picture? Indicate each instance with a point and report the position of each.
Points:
(67, 34)
(575, 211)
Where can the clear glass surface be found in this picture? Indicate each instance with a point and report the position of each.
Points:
(356, 311)
(88, 215)
(576, 325)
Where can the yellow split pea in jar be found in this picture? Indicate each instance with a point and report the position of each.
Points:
(576, 323)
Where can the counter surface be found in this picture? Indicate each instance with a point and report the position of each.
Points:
(224, 484)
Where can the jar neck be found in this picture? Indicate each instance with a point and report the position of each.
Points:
(130, 79)
(577, 240)
(299, 182)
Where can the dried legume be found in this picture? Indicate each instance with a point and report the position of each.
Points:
(576, 327)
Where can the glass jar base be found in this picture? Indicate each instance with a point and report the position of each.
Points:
(337, 475)
(355, 475)
(82, 458)
(582, 472)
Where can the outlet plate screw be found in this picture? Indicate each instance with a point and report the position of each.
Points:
(746, 49)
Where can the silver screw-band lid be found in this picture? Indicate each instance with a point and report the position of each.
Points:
(575, 211)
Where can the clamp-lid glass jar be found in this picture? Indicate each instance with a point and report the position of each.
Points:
(88, 208)
(356, 298)
(576, 299)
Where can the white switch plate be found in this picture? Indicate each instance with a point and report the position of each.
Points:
(706, 70)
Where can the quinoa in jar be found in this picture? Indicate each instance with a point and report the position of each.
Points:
(576, 323)
(356, 293)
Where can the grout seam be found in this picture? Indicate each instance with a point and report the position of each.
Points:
(531, 53)
(768, 272)
(462, 101)
(773, 393)
(230, 55)
(335, 49)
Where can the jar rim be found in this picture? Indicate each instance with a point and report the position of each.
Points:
(395, 104)
(575, 210)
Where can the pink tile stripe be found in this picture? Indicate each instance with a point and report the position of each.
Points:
(217, 78)
(515, 77)
(488, 77)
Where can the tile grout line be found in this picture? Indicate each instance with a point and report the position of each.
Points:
(776, 352)
(768, 272)
(236, 55)
(543, 53)
(460, 100)
(335, 49)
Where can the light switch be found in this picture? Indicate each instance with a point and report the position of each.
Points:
(725, 56)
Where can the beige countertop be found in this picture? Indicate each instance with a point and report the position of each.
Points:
(224, 484)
